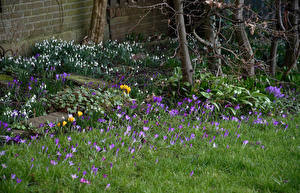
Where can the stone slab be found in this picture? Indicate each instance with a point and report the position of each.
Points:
(91, 82)
(5, 79)
(52, 117)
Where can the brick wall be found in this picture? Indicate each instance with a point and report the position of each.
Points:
(25, 20)
(30, 18)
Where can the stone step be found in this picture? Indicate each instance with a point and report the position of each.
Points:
(5, 79)
(88, 81)
(52, 117)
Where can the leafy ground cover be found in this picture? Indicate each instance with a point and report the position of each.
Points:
(145, 132)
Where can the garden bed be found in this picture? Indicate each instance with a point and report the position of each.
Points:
(130, 125)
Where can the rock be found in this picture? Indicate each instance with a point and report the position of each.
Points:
(5, 79)
(91, 82)
(52, 117)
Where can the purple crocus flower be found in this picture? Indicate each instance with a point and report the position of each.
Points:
(2, 153)
(69, 155)
(58, 154)
(97, 148)
(74, 176)
(142, 134)
(132, 150)
(157, 99)
(7, 138)
(112, 146)
(82, 180)
(192, 136)
(171, 129)
(4, 125)
(195, 97)
(53, 162)
(173, 112)
(245, 142)
(226, 133)
(275, 123)
(37, 55)
(19, 180)
(71, 163)
(192, 173)
(275, 91)
(51, 124)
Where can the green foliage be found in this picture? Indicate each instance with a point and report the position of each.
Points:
(289, 104)
(87, 100)
(222, 92)
(174, 85)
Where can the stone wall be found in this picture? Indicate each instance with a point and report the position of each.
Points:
(24, 22)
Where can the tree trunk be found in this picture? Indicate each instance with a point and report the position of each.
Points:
(214, 60)
(98, 21)
(273, 56)
(187, 69)
(242, 38)
(292, 46)
(275, 39)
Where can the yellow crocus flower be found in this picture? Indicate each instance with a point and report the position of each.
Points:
(125, 87)
(71, 119)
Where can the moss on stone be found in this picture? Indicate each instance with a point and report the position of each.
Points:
(6, 78)
(83, 80)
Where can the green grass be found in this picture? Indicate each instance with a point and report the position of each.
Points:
(230, 167)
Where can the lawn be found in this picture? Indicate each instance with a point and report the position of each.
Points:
(135, 133)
